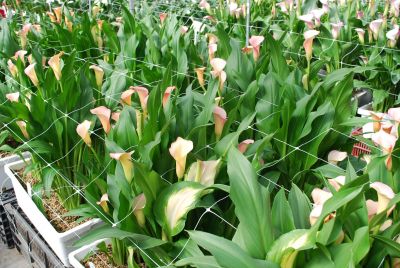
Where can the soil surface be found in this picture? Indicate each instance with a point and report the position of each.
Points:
(54, 209)
(100, 260)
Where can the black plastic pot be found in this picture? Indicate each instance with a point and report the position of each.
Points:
(6, 235)
(28, 242)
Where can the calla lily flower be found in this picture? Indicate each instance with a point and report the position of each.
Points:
(336, 156)
(163, 16)
(244, 145)
(337, 182)
(20, 54)
(13, 97)
(282, 6)
(372, 208)
(167, 94)
(179, 151)
(395, 8)
(386, 224)
(212, 48)
(142, 92)
(386, 142)
(218, 66)
(308, 42)
(317, 13)
(308, 20)
(126, 162)
(385, 194)
(203, 172)
(55, 64)
(320, 196)
(31, 73)
(104, 203)
(12, 68)
(115, 116)
(23, 34)
(394, 114)
(361, 34)
(360, 14)
(104, 114)
(255, 42)
(52, 17)
(220, 118)
(205, 5)
(22, 127)
(392, 36)
(212, 38)
(68, 23)
(139, 203)
(83, 131)
(184, 29)
(126, 96)
(336, 27)
(58, 12)
(200, 75)
(232, 8)
(99, 74)
(375, 26)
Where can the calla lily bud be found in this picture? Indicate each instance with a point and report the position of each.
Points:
(255, 42)
(336, 156)
(385, 194)
(361, 34)
(22, 127)
(55, 64)
(167, 94)
(203, 172)
(218, 66)
(13, 97)
(179, 151)
(200, 75)
(95, 11)
(104, 203)
(220, 118)
(83, 130)
(31, 73)
(104, 114)
(12, 68)
(308, 42)
(139, 203)
(126, 162)
(99, 74)
(244, 145)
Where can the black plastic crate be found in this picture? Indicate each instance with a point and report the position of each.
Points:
(6, 235)
(29, 242)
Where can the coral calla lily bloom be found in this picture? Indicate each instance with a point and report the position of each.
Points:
(220, 118)
(375, 26)
(83, 130)
(167, 94)
(244, 145)
(385, 194)
(104, 114)
(179, 150)
(255, 42)
(336, 27)
(126, 162)
(115, 116)
(31, 73)
(320, 197)
(13, 97)
(143, 95)
(163, 16)
(22, 127)
(361, 34)
(203, 172)
(139, 203)
(308, 42)
(336, 156)
(126, 96)
(99, 74)
(200, 75)
(52, 17)
(104, 203)
(12, 68)
(55, 64)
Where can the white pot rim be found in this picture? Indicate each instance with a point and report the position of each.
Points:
(73, 258)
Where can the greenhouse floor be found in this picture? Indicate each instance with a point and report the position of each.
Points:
(10, 258)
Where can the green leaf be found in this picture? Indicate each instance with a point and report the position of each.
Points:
(392, 247)
(142, 241)
(246, 193)
(361, 244)
(200, 261)
(227, 253)
(301, 207)
(282, 216)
